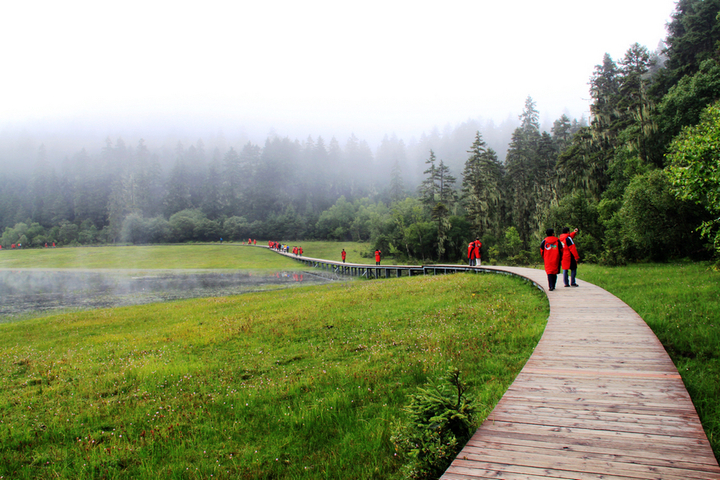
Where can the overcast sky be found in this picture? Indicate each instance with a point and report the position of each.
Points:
(309, 67)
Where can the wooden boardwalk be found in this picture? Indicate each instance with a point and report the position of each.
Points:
(598, 399)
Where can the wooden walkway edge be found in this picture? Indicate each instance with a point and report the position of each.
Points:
(598, 399)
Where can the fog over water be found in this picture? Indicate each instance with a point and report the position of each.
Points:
(42, 291)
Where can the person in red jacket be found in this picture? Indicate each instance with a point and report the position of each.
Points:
(471, 254)
(343, 254)
(300, 251)
(570, 256)
(551, 251)
(378, 254)
(476, 251)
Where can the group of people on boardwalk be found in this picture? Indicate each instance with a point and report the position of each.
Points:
(285, 248)
(560, 253)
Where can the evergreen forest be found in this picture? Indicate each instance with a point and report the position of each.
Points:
(640, 177)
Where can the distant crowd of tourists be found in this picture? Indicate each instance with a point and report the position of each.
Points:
(285, 248)
(15, 246)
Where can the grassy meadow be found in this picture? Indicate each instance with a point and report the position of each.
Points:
(185, 256)
(299, 383)
(681, 303)
(331, 251)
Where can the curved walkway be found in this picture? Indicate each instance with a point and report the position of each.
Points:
(598, 399)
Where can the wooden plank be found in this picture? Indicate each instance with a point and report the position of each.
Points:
(567, 463)
(580, 452)
(599, 398)
(599, 446)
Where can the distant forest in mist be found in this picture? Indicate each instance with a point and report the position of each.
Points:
(636, 178)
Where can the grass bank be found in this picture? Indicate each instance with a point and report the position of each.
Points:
(185, 256)
(301, 383)
(681, 303)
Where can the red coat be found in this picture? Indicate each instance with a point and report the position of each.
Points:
(478, 246)
(344, 254)
(377, 255)
(471, 251)
(551, 251)
(569, 251)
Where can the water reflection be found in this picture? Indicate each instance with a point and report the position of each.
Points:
(26, 291)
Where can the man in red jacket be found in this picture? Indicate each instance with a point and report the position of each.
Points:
(570, 256)
(471, 254)
(551, 251)
(343, 255)
(378, 254)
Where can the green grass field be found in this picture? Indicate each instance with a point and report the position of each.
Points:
(300, 383)
(331, 251)
(321, 372)
(215, 256)
(681, 303)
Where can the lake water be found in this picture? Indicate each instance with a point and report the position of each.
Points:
(25, 292)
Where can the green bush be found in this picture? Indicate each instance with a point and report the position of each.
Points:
(440, 420)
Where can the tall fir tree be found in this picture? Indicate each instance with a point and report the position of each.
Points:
(481, 187)
(428, 189)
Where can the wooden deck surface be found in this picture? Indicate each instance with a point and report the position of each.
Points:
(598, 399)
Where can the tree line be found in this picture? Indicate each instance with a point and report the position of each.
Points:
(639, 179)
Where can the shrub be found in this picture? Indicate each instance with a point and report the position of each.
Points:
(440, 420)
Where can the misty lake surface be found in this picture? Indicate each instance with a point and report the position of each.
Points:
(43, 291)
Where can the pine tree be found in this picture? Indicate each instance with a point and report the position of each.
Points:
(212, 190)
(693, 36)
(445, 185)
(232, 191)
(481, 187)
(428, 189)
(523, 167)
(397, 186)
(440, 215)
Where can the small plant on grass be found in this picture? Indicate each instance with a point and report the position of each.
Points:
(440, 420)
